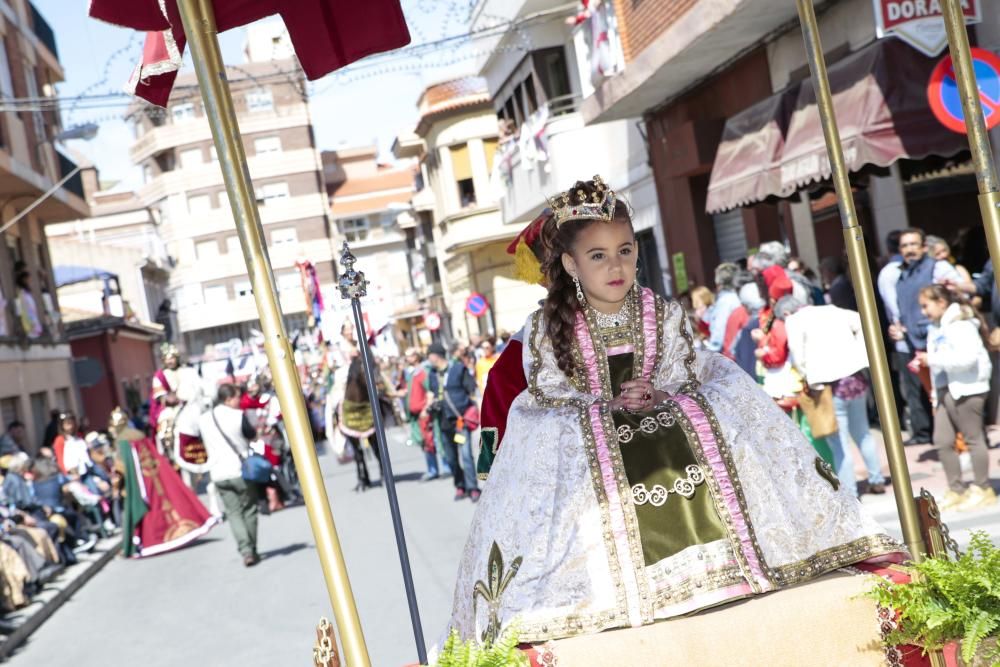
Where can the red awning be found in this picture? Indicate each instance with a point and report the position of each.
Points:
(326, 34)
(747, 167)
(880, 99)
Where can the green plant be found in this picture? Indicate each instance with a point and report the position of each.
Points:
(501, 653)
(948, 600)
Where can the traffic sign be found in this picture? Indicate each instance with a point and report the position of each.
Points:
(919, 22)
(432, 321)
(476, 305)
(946, 101)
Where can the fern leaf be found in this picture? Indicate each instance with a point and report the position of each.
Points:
(975, 633)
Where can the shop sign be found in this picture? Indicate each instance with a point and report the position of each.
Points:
(919, 22)
(476, 305)
(945, 100)
(432, 321)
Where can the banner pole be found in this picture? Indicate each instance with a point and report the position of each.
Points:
(975, 124)
(863, 289)
(199, 24)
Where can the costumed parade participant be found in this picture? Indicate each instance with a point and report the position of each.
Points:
(506, 378)
(639, 479)
(160, 512)
(176, 401)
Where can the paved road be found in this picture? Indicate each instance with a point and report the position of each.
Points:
(200, 607)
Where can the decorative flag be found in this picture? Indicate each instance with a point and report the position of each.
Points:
(326, 34)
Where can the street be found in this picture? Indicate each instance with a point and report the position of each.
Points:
(199, 606)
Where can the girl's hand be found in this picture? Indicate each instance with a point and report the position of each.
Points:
(757, 335)
(639, 394)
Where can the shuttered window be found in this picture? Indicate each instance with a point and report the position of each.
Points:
(460, 163)
(730, 235)
(490, 148)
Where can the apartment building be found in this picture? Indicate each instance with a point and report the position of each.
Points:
(184, 192)
(35, 359)
(456, 142)
(538, 75)
(370, 208)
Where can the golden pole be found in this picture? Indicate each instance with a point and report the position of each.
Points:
(975, 124)
(199, 24)
(862, 279)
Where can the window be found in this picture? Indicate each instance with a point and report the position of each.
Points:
(267, 145)
(62, 399)
(490, 149)
(10, 409)
(553, 74)
(260, 100)
(199, 203)
(39, 411)
(284, 236)
(182, 112)
(37, 119)
(288, 282)
(215, 294)
(461, 167)
(6, 85)
(244, 290)
(213, 154)
(354, 229)
(207, 249)
(271, 191)
(191, 157)
(233, 245)
(147, 173)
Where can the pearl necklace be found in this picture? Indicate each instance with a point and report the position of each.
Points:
(614, 320)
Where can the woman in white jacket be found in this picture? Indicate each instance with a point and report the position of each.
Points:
(960, 374)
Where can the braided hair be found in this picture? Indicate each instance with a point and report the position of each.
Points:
(561, 304)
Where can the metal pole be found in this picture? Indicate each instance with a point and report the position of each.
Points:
(975, 124)
(199, 24)
(862, 279)
(353, 287)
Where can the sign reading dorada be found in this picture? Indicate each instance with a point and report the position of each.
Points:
(919, 22)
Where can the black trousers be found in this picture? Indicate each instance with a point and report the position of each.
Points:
(451, 451)
(921, 424)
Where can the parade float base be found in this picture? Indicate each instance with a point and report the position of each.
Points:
(823, 622)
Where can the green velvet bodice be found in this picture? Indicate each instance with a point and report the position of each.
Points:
(661, 458)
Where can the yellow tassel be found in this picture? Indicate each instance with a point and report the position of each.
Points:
(526, 265)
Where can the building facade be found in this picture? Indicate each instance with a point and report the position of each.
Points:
(734, 139)
(456, 142)
(184, 193)
(538, 75)
(36, 366)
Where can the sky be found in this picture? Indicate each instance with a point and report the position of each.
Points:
(370, 104)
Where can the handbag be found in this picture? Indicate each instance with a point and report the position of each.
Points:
(254, 468)
(818, 409)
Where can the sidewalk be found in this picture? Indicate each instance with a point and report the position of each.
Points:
(17, 626)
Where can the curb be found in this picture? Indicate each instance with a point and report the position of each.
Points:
(71, 581)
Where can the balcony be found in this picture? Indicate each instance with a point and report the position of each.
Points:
(193, 317)
(570, 151)
(196, 130)
(275, 211)
(43, 31)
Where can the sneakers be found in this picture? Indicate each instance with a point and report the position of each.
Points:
(474, 495)
(459, 494)
(976, 497)
(427, 477)
(85, 545)
(950, 500)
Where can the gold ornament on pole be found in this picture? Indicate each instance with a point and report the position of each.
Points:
(199, 25)
(975, 126)
(862, 280)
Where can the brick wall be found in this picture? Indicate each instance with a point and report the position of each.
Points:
(640, 22)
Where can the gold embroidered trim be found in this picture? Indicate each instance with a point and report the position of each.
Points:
(835, 557)
(648, 425)
(491, 590)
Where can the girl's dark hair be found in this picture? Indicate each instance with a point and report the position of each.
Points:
(356, 390)
(939, 293)
(561, 303)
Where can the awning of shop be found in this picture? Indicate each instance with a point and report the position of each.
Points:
(747, 166)
(70, 274)
(880, 99)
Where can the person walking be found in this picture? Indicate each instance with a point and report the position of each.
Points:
(452, 387)
(726, 302)
(484, 363)
(417, 400)
(827, 346)
(960, 375)
(357, 422)
(227, 433)
(917, 271)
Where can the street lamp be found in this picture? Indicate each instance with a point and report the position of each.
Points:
(86, 132)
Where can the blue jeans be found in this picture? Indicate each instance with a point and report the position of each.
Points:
(468, 462)
(852, 420)
(431, 458)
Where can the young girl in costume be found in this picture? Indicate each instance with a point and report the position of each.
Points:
(637, 478)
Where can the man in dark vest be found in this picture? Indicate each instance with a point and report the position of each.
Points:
(917, 271)
(453, 388)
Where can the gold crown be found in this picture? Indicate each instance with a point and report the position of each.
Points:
(169, 350)
(575, 205)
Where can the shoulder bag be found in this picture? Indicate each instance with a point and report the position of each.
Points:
(255, 468)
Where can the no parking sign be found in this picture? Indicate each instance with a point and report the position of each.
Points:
(945, 99)
(476, 305)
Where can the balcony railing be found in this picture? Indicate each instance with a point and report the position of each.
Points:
(43, 31)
